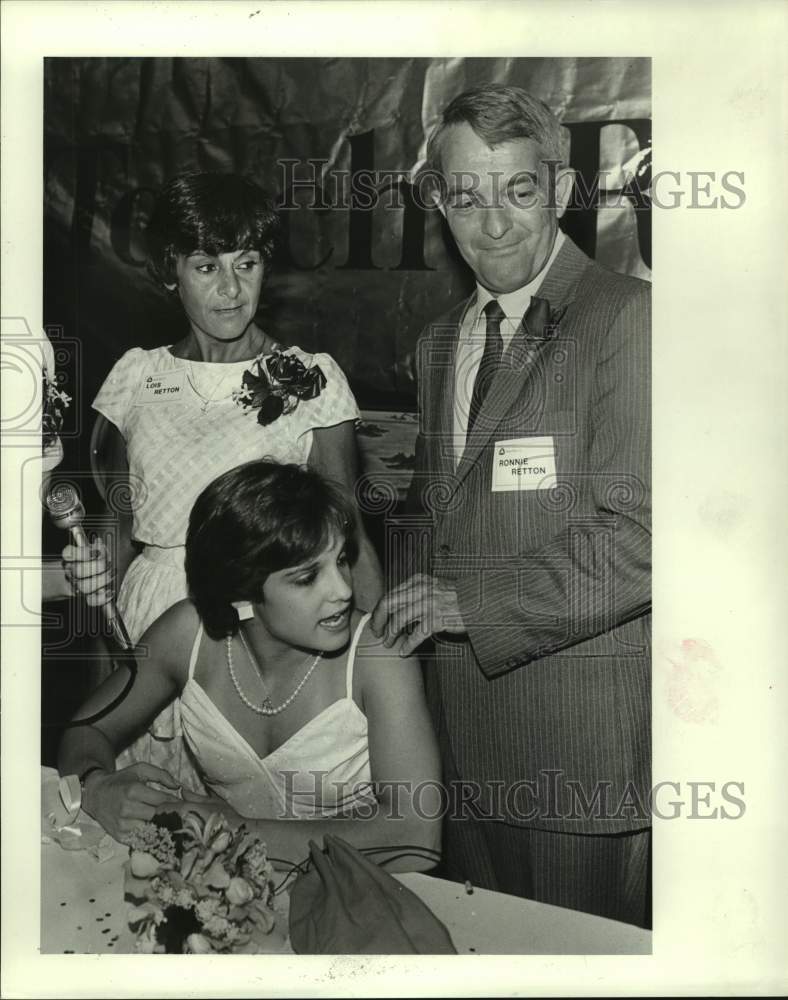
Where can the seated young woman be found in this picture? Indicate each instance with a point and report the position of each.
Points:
(299, 720)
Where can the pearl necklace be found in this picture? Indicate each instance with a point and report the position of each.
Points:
(267, 708)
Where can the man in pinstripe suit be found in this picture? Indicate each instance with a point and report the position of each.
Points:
(533, 466)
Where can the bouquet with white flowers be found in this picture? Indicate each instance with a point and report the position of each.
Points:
(198, 887)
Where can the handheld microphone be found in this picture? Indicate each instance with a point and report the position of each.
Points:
(67, 511)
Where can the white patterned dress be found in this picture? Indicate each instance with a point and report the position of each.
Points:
(182, 429)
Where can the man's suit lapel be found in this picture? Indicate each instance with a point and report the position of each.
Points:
(521, 360)
(437, 403)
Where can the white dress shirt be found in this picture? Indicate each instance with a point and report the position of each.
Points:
(473, 333)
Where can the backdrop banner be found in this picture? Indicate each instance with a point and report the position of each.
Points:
(365, 262)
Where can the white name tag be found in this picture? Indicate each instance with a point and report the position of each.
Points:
(162, 388)
(524, 464)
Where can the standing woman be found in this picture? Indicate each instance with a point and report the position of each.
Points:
(174, 418)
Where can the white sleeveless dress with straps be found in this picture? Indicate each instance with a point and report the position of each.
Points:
(321, 770)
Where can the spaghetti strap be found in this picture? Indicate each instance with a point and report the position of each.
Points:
(351, 656)
(195, 651)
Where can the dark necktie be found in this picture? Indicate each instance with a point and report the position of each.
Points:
(491, 360)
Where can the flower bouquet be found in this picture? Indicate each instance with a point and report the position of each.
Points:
(55, 402)
(198, 887)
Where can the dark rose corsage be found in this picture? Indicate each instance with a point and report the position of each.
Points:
(55, 402)
(541, 324)
(540, 321)
(275, 384)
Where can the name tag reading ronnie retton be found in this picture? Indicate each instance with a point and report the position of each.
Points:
(524, 464)
(162, 387)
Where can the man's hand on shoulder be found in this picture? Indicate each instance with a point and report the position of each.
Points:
(420, 607)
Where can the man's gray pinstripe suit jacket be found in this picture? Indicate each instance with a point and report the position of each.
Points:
(550, 688)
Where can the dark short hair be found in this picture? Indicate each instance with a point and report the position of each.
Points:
(212, 212)
(257, 519)
(498, 113)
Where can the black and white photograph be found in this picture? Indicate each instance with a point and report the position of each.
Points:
(347, 472)
(409, 266)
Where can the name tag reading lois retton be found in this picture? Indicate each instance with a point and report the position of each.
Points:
(524, 464)
(162, 387)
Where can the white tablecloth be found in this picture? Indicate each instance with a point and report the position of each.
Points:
(83, 911)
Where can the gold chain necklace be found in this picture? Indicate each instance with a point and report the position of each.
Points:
(267, 707)
(213, 398)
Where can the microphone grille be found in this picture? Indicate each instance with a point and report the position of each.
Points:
(62, 499)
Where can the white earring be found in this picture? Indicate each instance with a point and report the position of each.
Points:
(244, 609)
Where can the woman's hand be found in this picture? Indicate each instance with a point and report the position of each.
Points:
(88, 570)
(122, 800)
(205, 805)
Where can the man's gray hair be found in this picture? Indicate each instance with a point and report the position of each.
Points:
(498, 113)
